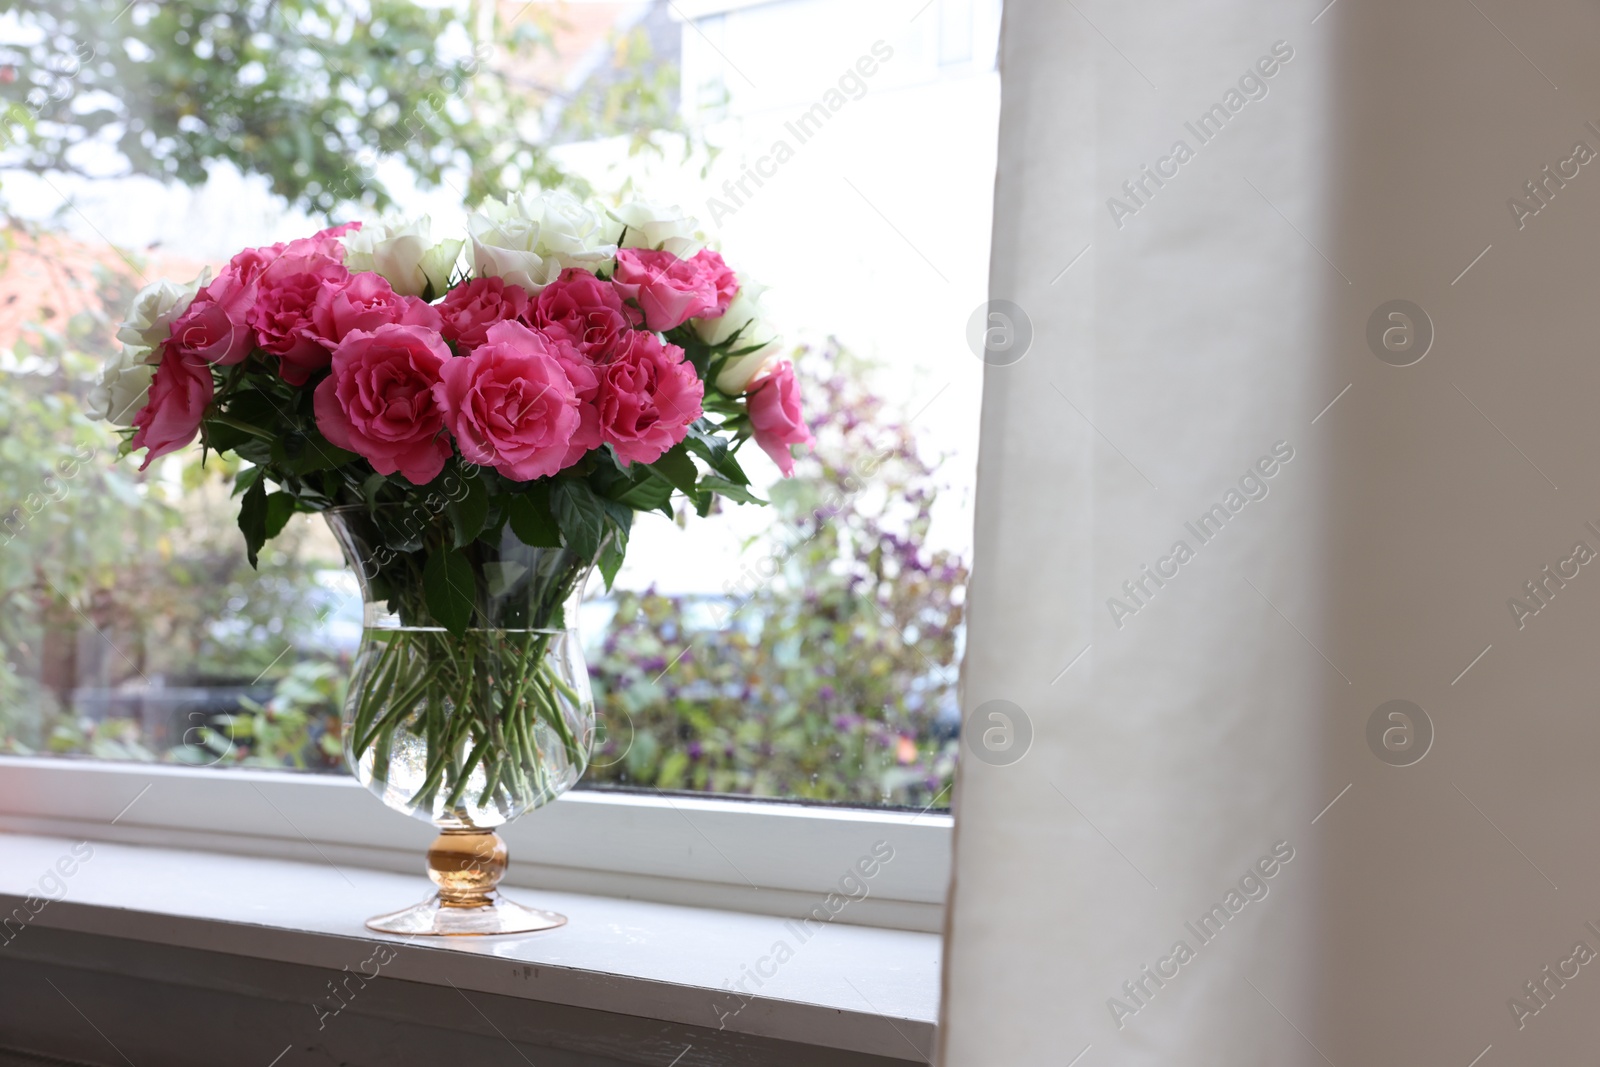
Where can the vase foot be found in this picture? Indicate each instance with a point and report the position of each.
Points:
(434, 919)
(466, 864)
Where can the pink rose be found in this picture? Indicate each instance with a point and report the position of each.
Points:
(510, 404)
(584, 374)
(774, 402)
(722, 276)
(649, 394)
(327, 241)
(180, 392)
(216, 326)
(207, 333)
(236, 287)
(379, 401)
(286, 292)
(671, 291)
(322, 243)
(470, 309)
(366, 303)
(585, 311)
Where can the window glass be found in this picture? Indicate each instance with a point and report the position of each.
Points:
(842, 154)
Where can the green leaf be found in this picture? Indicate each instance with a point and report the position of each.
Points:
(729, 468)
(447, 587)
(304, 453)
(731, 490)
(253, 519)
(619, 516)
(403, 529)
(245, 479)
(671, 772)
(322, 455)
(695, 350)
(251, 407)
(677, 468)
(255, 451)
(494, 526)
(705, 442)
(280, 506)
(610, 563)
(611, 559)
(530, 518)
(619, 522)
(370, 488)
(652, 494)
(469, 514)
(224, 438)
(579, 514)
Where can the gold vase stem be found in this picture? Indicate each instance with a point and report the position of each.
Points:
(466, 865)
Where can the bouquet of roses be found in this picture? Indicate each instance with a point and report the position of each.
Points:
(588, 365)
(571, 377)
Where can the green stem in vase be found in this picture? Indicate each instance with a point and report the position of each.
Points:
(478, 701)
(447, 731)
(381, 754)
(491, 781)
(388, 664)
(473, 759)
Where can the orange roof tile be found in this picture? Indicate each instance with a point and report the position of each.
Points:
(46, 279)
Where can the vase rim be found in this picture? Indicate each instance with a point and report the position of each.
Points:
(477, 629)
(364, 509)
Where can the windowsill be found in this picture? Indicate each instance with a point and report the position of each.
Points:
(713, 852)
(850, 988)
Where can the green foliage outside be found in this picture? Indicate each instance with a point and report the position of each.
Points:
(108, 576)
(825, 673)
(310, 94)
(306, 93)
(828, 672)
(296, 727)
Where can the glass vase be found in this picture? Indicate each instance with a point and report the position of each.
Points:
(465, 731)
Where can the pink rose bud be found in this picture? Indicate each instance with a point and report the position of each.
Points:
(180, 392)
(774, 403)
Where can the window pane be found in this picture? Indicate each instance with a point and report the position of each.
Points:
(842, 157)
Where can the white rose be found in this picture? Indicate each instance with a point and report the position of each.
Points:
(746, 317)
(646, 224)
(736, 374)
(124, 387)
(404, 252)
(743, 310)
(529, 240)
(155, 308)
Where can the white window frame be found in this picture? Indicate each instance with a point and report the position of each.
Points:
(729, 853)
(740, 855)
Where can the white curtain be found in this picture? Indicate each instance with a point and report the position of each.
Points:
(1302, 790)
